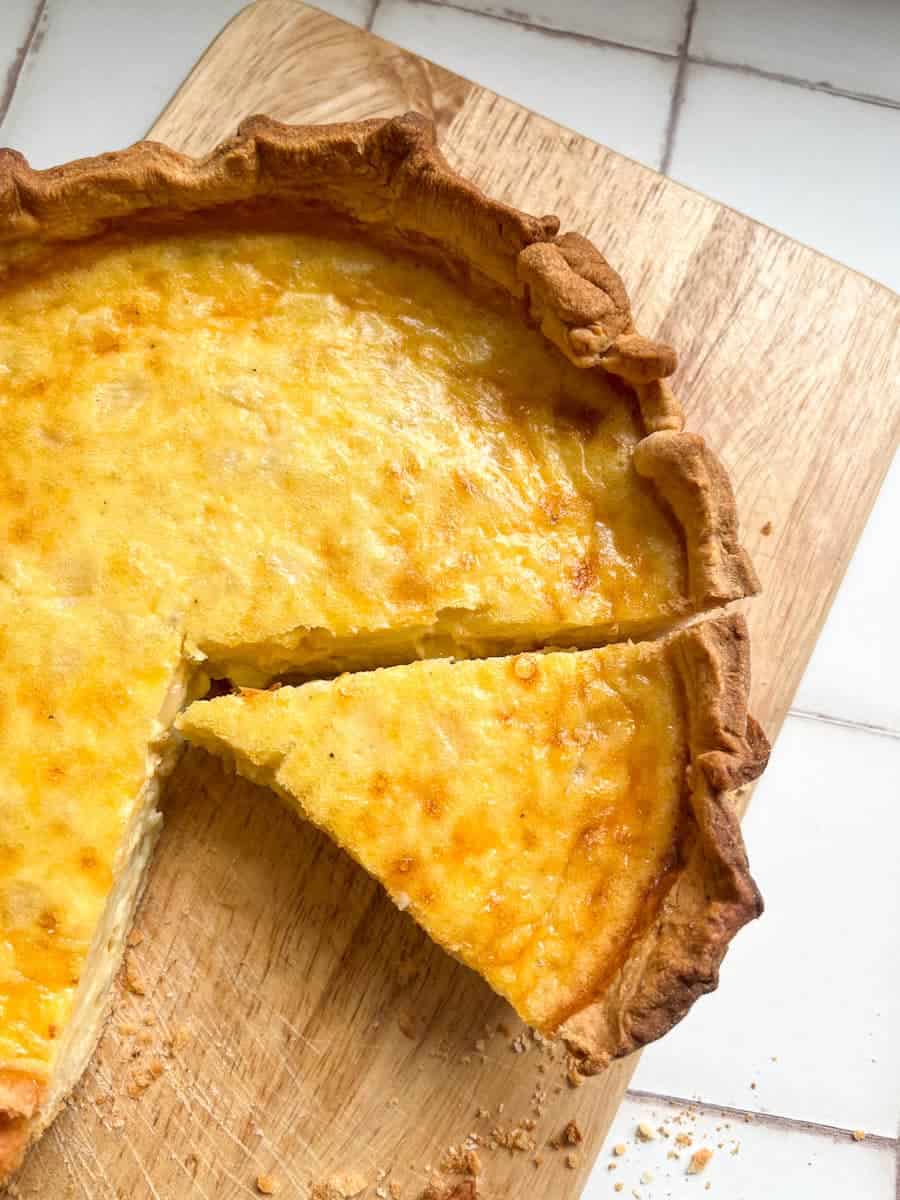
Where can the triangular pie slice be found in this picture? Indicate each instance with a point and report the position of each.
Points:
(308, 404)
(559, 821)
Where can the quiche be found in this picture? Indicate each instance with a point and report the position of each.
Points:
(556, 820)
(310, 404)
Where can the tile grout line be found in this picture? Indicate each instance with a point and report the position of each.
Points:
(697, 60)
(373, 13)
(774, 1119)
(827, 89)
(678, 89)
(588, 38)
(14, 72)
(844, 723)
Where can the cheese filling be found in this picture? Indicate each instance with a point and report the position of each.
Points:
(283, 451)
(527, 811)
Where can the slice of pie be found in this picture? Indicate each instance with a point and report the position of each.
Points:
(558, 821)
(309, 404)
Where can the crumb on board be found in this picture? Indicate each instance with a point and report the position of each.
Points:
(132, 976)
(460, 1160)
(348, 1183)
(465, 1189)
(619, 1149)
(859, 1135)
(266, 1185)
(572, 1161)
(699, 1160)
(512, 1138)
(341, 1186)
(395, 1190)
(645, 1132)
(178, 1040)
(143, 1077)
(766, 529)
(684, 1139)
(574, 1077)
(572, 1135)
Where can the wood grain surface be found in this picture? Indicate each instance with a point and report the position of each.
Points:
(315, 1028)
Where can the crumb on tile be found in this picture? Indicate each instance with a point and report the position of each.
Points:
(699, 1160)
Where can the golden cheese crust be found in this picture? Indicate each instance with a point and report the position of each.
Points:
(236, 391)
(557, 821)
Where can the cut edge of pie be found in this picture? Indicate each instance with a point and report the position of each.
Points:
(606, 1001)
(389, 176)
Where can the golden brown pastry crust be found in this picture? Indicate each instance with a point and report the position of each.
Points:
(676, 958)
(389, 177)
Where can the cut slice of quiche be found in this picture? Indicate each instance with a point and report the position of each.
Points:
(558, 821)
(308, 404)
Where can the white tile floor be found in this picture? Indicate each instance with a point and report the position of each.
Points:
(809, 1007)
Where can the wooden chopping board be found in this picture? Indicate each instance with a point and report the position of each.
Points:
(315, 1028)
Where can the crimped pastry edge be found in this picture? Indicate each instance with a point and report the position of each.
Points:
(676, 958)
(388, 175)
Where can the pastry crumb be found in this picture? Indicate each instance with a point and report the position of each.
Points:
(396, 1191)
(699, 1161)
(515, 1138)
(766, 529)
(619, 1149)
(266, 1185)
(142, 1079)
(574, 1078)
(645, 1132)
(684, 1139)
(647, 1177)
(859, 1135)
(178, 1040)
(572, 1135)
(465, 1189)
(348, 1183)
(572, 1161)
(461, 1160)
(133, 980)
